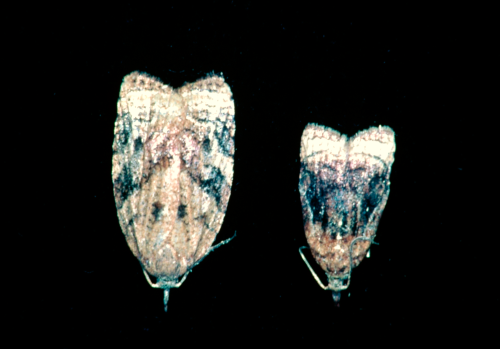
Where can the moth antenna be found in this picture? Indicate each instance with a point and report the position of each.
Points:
(213, 248)
(223, 242)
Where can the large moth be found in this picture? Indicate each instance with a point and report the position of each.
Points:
(173, 155)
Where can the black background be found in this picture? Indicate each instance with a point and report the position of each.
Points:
(289, 66)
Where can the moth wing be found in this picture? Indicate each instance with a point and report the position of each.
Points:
(320, 148)
(377, 143)
(371, 155)
(323, 158)
(208, 158)
(144, 105)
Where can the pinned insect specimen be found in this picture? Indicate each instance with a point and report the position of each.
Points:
(173, 156)
(344, 186)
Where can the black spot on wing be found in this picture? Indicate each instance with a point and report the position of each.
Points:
(124, 186)
(157, 209)
(352, 223)
(374, 193)
(313, 198)
(206, 225)
(206, 146)
(376, 190)
(325, 222)
(124, 132)
(181, 211)
(364, 212)
(138, 145)
(213, 185)
(315, 202)
(224, 140)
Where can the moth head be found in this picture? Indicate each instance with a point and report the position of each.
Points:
(338, 284)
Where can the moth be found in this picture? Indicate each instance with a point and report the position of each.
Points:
(344, 186)
(172, 171)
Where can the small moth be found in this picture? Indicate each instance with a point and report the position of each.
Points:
(344, 186)
(173, 155)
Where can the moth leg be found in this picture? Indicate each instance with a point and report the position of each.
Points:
(373, 243)
(311, 270)
(164, 285)
(149, 280)
(352, 244)
(182, 280)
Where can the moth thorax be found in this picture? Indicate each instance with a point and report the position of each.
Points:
(165, 283)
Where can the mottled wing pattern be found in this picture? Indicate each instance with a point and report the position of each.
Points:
(344, 186)
(172, 169)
